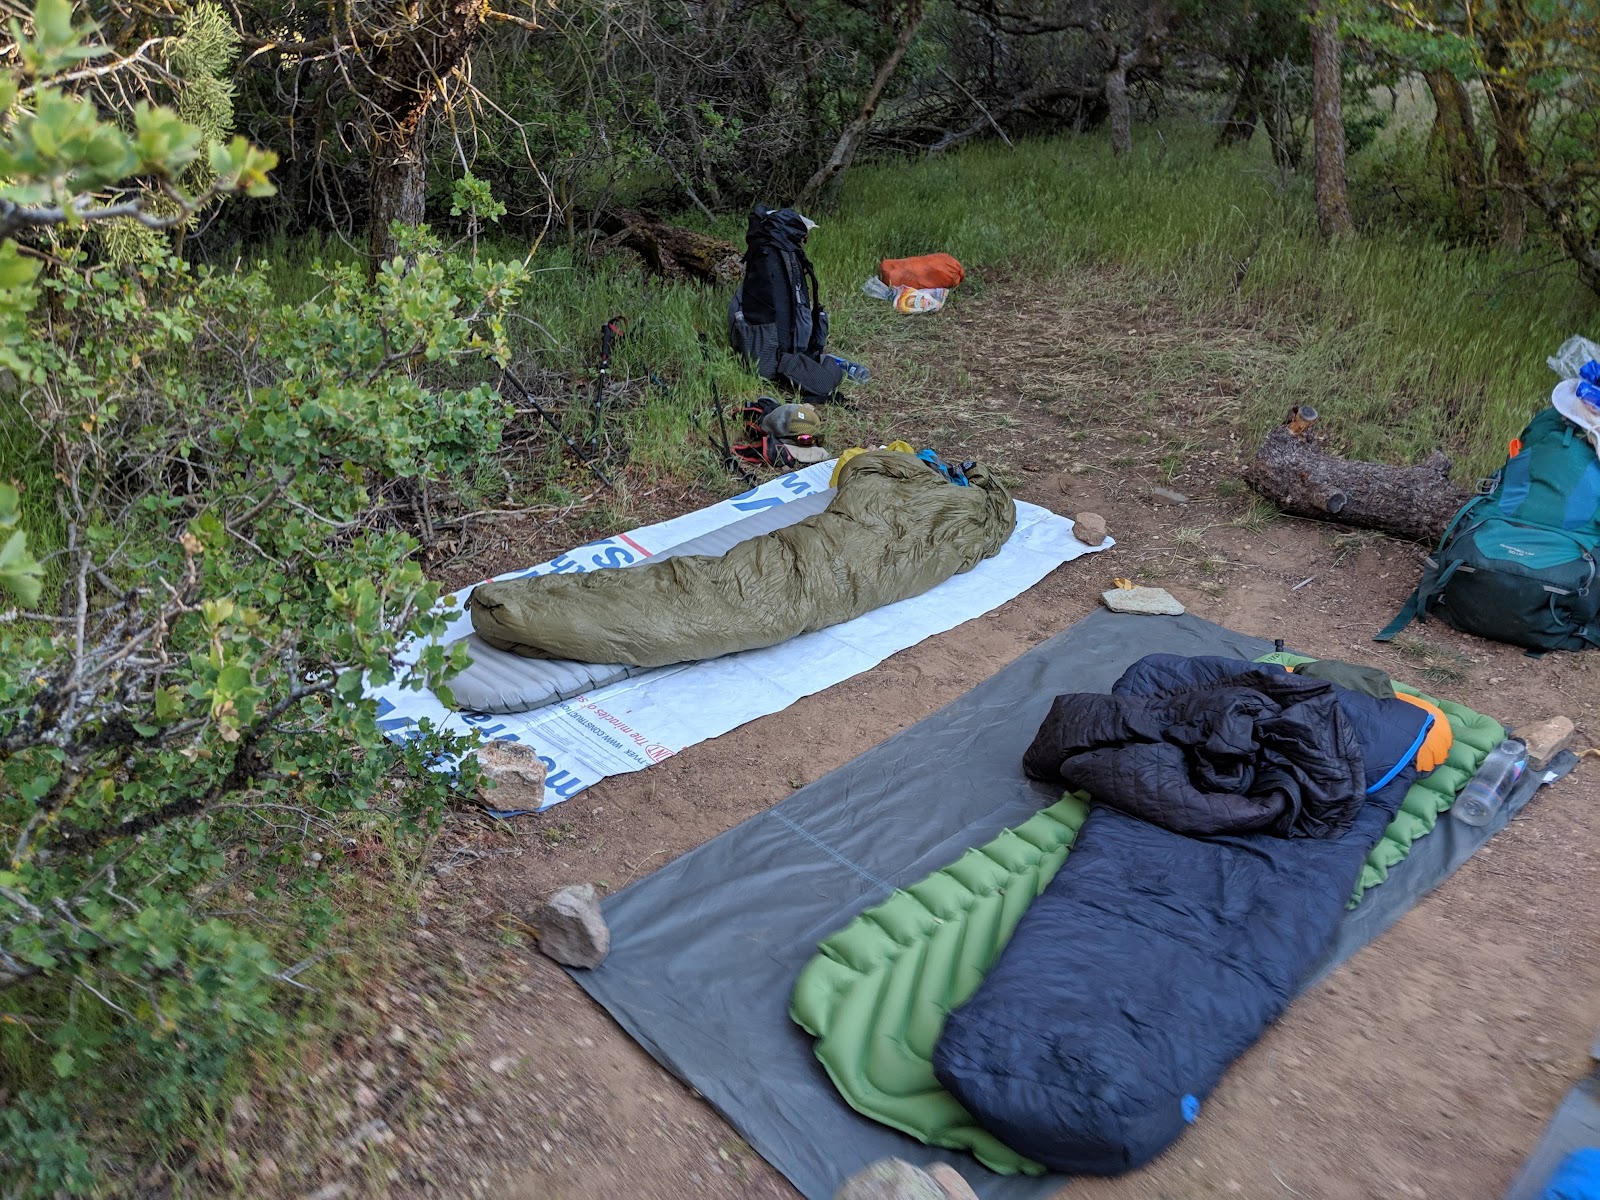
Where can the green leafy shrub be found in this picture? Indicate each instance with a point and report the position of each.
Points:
(184, 733)
(185, 752)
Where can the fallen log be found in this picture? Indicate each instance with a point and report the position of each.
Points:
(669, 250)
(1416, 503)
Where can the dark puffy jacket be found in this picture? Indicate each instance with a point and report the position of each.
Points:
(1155, 958)
(1211, 751)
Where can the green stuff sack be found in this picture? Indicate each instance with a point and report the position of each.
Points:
(1519, 565)
(877, 993)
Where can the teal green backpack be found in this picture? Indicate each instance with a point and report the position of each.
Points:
(1518, 564)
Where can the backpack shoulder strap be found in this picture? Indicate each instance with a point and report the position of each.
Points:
(810, 275)
(794, 275)
(1455, 522)
(1416, 604)
(1411, 610)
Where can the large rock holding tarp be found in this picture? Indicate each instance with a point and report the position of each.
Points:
(895, 529)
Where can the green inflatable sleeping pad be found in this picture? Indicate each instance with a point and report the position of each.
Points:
(876, 995)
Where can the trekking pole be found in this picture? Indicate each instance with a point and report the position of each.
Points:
(555, 425)
(608, 338)
(730, 460)
(733, 461)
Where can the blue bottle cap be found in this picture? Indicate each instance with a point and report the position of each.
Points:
(1191, 1108)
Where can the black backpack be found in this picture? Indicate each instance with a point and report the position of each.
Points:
(776, 321)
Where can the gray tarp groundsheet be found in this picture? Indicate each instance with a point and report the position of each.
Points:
(1574, 1125)
(705, 951)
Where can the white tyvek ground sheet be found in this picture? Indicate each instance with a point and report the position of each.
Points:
(627, 726)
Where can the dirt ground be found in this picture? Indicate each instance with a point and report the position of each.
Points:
(1425, 1067)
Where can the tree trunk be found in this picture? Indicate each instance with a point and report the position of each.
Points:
(409, 70)
(1413, 502)
(844, 151)
(399, 186)
(1146, 53)
(1117, 103)
(1288, 151)
(1327, 103)
(1565, 216)
(1513, 124)
(1511, 105)
(1455, 138)
(1239, 126)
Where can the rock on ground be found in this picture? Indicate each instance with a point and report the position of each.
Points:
(515, 773)
(571, 929)
(895, 1179)
(1089, 528)
(948, 1178)
(1546, 739)
(1147, 600)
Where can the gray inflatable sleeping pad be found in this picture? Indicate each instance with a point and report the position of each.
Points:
(498, 681)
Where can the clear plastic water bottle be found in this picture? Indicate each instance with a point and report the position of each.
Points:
(1489, 789)
(878, 289)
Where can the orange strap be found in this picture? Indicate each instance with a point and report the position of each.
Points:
(1436, 746)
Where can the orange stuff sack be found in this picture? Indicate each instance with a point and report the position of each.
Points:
(1435, 747)
(924, 271)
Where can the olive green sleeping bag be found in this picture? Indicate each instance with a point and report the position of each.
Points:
(876, 995)
(895, 529)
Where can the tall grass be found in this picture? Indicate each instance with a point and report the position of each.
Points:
(25, 465)
(1404, 342)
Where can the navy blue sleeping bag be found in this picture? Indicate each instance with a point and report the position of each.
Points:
(1155, 958)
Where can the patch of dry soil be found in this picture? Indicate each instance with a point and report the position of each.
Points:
(1424, 1067)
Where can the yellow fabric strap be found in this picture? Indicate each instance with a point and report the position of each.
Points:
(847, 455)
